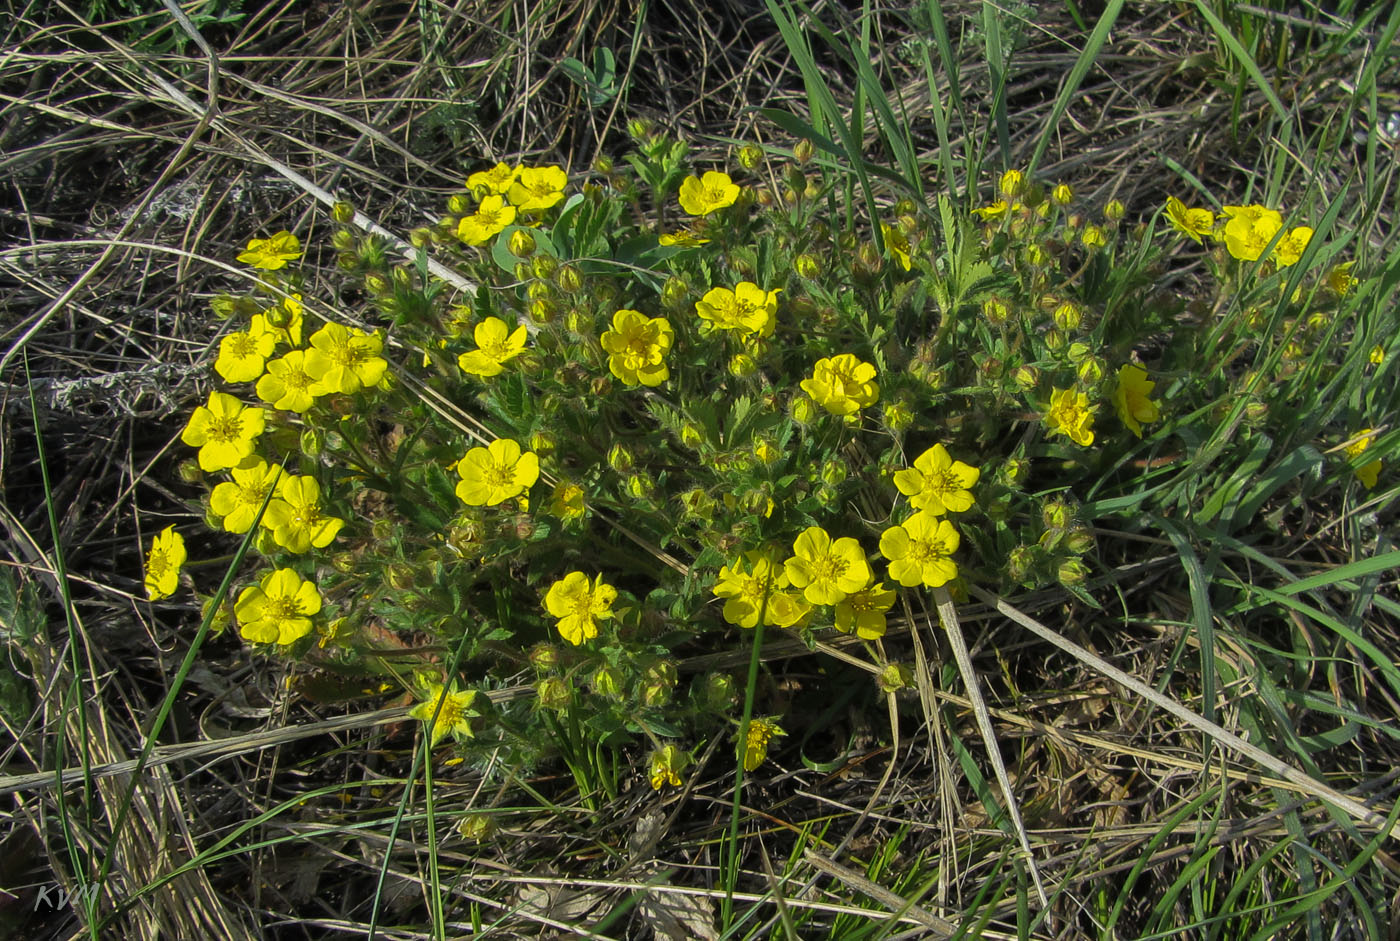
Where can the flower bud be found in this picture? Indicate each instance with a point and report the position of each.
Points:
(313, 442)
(543, 266)
(602, 165)
(833, 472)
(382, 530)
(544, 657)
(224, 306)
(639, 129)
(1090, 370)
(640, 486)
(807, 267)
(376, 284)
(692, 436)
(523, 271)
(1011, 183)
(766, 451)
(996, 312)
(674, 293)
(620, 458)
(1057, 515)
(750, 157)
(742, 364)
(698, 505)
(263, 542)
(894, 677)
(421, 237)
(1019, 562)
(898, 415)
(343, 212)
(521, 243)
(1093, 237)
(400, 576)
(1114, 211)
(1016, 470)
(191, 473)
(543, 310)
(459, 205)
(1071, 572)
(600, 386)
(1062, 195)
(803, 151)
(343, 562)
(869, 256)
(1079, 539)
(607, 682)
(1054, 339)
(554, 693)
(802, 409)
(717, 692)
(348, 261)
(1068, 316)
(477, 827)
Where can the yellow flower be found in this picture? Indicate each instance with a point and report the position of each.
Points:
(163, 564)
(537, 188)
(1071, 415)
(744, 593)
(995, 211)
(1290, 248)
(243, 355)
(1377, 355)
(637, 348)
(579, 606)
(842, 384)
(494, 474)
(1339, 279)
(1192, 223)
(296, 518)
(898, 244)
(278, 609)
(490, 219)
(271, 254)
(344, 360)
(567, 501)
(1249, 230)
(938, 483)
(683, 238)
(224, 431)
(666, 766)
(920, 550)
(1130, 398)
(828, 570)
(760, 732)
(288, 385)
(864, 611)
(494, 182)
(748, 308)
(239, 500)
(497, 344)
(1368, 473)
(702, 196)
(452, 708)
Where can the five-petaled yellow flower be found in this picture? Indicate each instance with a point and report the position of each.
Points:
(566, 502)
(666, 766)
(753, 751)
(842, 384)
(224, 431)
(1370, 472)
(278, 609)
(938, 483)
(490, 219)
(761, 586)
(271, 254)
(1340, 279)
(1249, 230)
(497, 344)
(163, 564)
(243, 355)
(240, 500)
(827, 570)
(580, 605)
(537, 188)
(703, 195)
(1192, 223)
(864, 611)
(748, 308)
(447, 709)
(494, 182)
(344, 360)
(1071, 415)
(637, 347)
(1131, 398)
(296, 518)
(920, 550)
(495, 473)
(287, 385)
(1290, 248)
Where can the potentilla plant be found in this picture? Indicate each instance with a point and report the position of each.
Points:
(672, 414)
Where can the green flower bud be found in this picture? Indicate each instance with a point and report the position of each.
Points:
(607, 682)
(1016, 470)
(459, 205)
(698, 505)
(382, 530)
(750, 157)
(802, 409)
(1057, 515)
(803, 151)
(1071, 572)
(313, 442)
(523, 271)
(639, 486)
(602, 165)
(522, 243)
(343, 562)
(543, 310)
(1027, 377)
(620, 458)
(343, 240)
(376, 284)
(717, 692)
(742, 364)
(400, 576)
(1019, 562)
(1114, 211)
(1062, 195)
(343, 212)
(898, 415)
(1079, 539)
(263, 542)
(1068, 316)
(995, 310)
(569, 278)
(1090, 370)
(477, 827)
(554, 693)
(1055, 340)
(224, 306)
(544, 657)
(833, 472)
(421, 237)
(808, 267)
(544, 266)
(190, 473)
(894, 677)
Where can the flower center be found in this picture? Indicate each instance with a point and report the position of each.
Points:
(253, 494)
(830, 567)
(158, 564)
(226, 428)
(284, 608)
(497, 349)
(349, 356)
(488, 217)
(243, 345)
(541, 188)
(501, 476)
(927, 550)
(297, 379)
